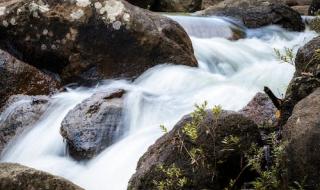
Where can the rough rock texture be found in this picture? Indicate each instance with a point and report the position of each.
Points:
(93, 125)
(263, 15)
(19, 113)
(306, 78)
(17, 77)
(18, 177)
(103, 39)
(314, 7)
(302, 9)
(169, 150)
(260, 110)
(177, 5)
(302, 132)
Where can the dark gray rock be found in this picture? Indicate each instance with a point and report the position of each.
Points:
(19, 113)
(263, 15)
(260, 110)
(306, 78)
(302, 132)
(93, 125)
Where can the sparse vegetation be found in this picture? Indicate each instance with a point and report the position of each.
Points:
(287, 56)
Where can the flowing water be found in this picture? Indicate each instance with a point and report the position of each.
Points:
(230, 73)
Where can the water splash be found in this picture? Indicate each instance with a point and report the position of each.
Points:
(230, 73)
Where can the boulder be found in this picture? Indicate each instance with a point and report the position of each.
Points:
(302, 9)
(261, 110)
(302, 132)
(93, 125)
(314, 7)
(17, 77)
(306, 78)
(177, 5)
(213, 163)
(259, 16)
(18, 177)
(90, 40)
(19, 113)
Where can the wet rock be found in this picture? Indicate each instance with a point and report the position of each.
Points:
(302, 132)
(93, 125)
(306, 78)
(260, 110)
(314, 7)
(19, 177)
(262, 15)
(302, 9)
(221, 164)
(177, 5)
(17, 77)
(18, 114)
(111, 37)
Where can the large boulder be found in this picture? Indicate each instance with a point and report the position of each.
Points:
(306, 78)
(18, 177)
(17, 77)
(18, 114)
(302, 132)
(205, 162)
(93, 39)
(262, 15)
(261, 110)
(93, 125)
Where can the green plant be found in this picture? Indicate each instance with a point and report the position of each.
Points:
(287, 57)
(174, 178)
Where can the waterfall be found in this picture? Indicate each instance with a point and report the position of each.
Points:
(230, 73)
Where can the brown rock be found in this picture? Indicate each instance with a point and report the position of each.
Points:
(20, 113)
(302, 132)
(103, 39)
(17, 77)
(18, 177)
(220, 165)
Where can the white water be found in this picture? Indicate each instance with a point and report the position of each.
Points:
(230, 73)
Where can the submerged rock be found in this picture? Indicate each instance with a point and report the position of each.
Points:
(306, 78)
(261, 110)
(20, 113)
(258, 16)
(17, 77)
(214, 163)
(93, 125)
(100, 39)
(302, 132)
(19, 177)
